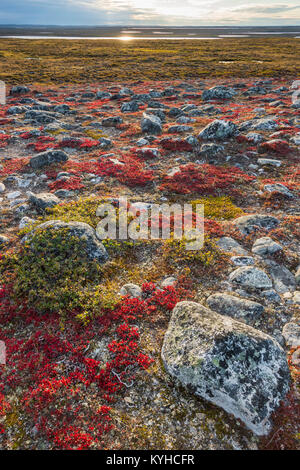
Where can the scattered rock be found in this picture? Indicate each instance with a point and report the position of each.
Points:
(229, 245)
(43, 200)
(219, 130)
(266, 246)
(235, 307)
(218, 93)
(251, 277)
(248, 223)
(284, 280)
(46, 158)
(291, 334)
(151, 124)
(132, 290)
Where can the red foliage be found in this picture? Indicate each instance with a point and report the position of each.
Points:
(205, 179)
(70, 184)
(276, 146)
(15, 165)
(54, 397)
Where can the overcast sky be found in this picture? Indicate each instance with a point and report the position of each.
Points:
(150, 12)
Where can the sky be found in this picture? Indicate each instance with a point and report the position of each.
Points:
(150, 12)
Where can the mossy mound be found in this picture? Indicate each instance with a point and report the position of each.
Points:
(54, 272)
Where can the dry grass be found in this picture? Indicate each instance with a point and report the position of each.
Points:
(78, 61)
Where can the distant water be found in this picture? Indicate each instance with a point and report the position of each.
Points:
(120, 38)
(127, 33)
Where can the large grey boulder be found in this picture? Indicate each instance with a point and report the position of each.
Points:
(251, 277)
(218, 130)
(235, 307)
(46, 158)
(248, 223)
(230, 364)
(85, 234)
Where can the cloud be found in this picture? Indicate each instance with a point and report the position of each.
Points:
(149, 12)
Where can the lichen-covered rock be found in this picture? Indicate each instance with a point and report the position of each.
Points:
(265, 246)
(151, 124)
(229, 245)
(279, 188)
(41, 117)
(265, 124)
(219, 92)
(235, 307)
(248, 223)
(251, 277)
(81, 231)
(218, 130)
(284, 280)
(232, 365)
(46, 158)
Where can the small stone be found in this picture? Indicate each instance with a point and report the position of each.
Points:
(279, 188)
(132, 290)
(219, 92)
(169, 281)
(3, 240)
(242, 260)
(271, 295)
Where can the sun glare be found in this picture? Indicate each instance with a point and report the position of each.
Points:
(125, 38)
